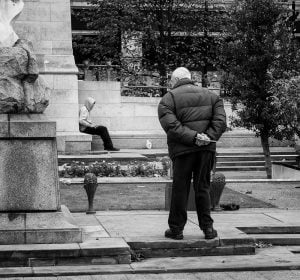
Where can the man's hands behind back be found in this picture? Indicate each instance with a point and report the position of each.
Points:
(202, 139)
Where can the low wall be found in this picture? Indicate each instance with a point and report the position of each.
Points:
(123, 114)
(285, 171)
(133, 120)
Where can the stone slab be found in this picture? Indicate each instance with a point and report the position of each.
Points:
(49, 228)
(280, 229)
(40, 130)
(143, 225)
(288, 218)
(25, 251)
(72, 146)
(194, 252)
(81, 270)
(102, 251)
(104, 246)
(26, 126)
(278, 239)
(240, 220)
(162, 243)
(37, 228)
(261, 261)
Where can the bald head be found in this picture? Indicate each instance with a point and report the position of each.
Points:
(179, 74)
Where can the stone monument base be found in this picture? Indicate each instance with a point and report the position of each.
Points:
(30, 210)
(39, 228)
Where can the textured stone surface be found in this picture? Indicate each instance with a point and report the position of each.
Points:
(37, 228)
(50, 228)
(21, 90)
(28, 165)
(28, 175)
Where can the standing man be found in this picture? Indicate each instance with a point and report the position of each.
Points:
(194, 119)
(87, 126)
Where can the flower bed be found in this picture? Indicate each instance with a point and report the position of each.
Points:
(159, 168)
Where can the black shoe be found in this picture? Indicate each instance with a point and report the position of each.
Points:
(112, 149)
(210, 233)
(173, 235)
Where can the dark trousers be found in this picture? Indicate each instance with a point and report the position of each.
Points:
(197, 165)
(102, 132)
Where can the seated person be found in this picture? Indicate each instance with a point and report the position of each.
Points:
(86, 125)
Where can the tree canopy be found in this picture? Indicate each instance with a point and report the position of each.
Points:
(261, 62)
(172, 32)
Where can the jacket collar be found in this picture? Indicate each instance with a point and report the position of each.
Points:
(182, 82)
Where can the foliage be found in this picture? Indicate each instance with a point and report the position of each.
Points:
(284, 107)
(261, 61)
(116, 169)
(258, 52)
(141, 91)
(172, 33)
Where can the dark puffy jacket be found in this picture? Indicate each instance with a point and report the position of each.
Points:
(187, 110)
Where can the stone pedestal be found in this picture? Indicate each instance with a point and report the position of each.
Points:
(29, 192)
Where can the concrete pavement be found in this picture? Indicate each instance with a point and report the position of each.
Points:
(272, 223)
(248, 275)
(275, 233)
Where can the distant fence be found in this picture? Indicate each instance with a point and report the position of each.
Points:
(113, 73)
(99, 72)
(143, 91)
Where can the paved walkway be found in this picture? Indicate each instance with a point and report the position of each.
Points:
(253, 275)
(266, 226)
(152, 224)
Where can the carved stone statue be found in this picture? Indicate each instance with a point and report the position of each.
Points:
(21, 88)
(9, 10)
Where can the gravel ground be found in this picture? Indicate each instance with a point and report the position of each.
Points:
(282, 195)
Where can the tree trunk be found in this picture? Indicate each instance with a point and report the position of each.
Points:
(266, 149)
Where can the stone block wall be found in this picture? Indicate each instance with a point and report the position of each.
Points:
(47, 23)
(133, 120)
(122, 115)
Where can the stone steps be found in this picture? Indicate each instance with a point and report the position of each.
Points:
(248, 163)
(116, 251)
(96, 252)
(156, 248)
(274, 235)
(277, 239)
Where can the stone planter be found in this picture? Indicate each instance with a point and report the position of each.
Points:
(90, 186)
(218, 182)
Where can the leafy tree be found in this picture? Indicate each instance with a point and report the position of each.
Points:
(172, 32)
(261, 63)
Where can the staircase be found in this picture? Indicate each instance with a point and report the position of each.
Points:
(249, 162)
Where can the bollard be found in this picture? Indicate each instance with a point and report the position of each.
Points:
(90, 186)
(217, 186)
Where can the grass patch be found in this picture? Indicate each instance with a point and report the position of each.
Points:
(139, 197)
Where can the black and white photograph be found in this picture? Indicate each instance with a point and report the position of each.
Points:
(150, 139)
